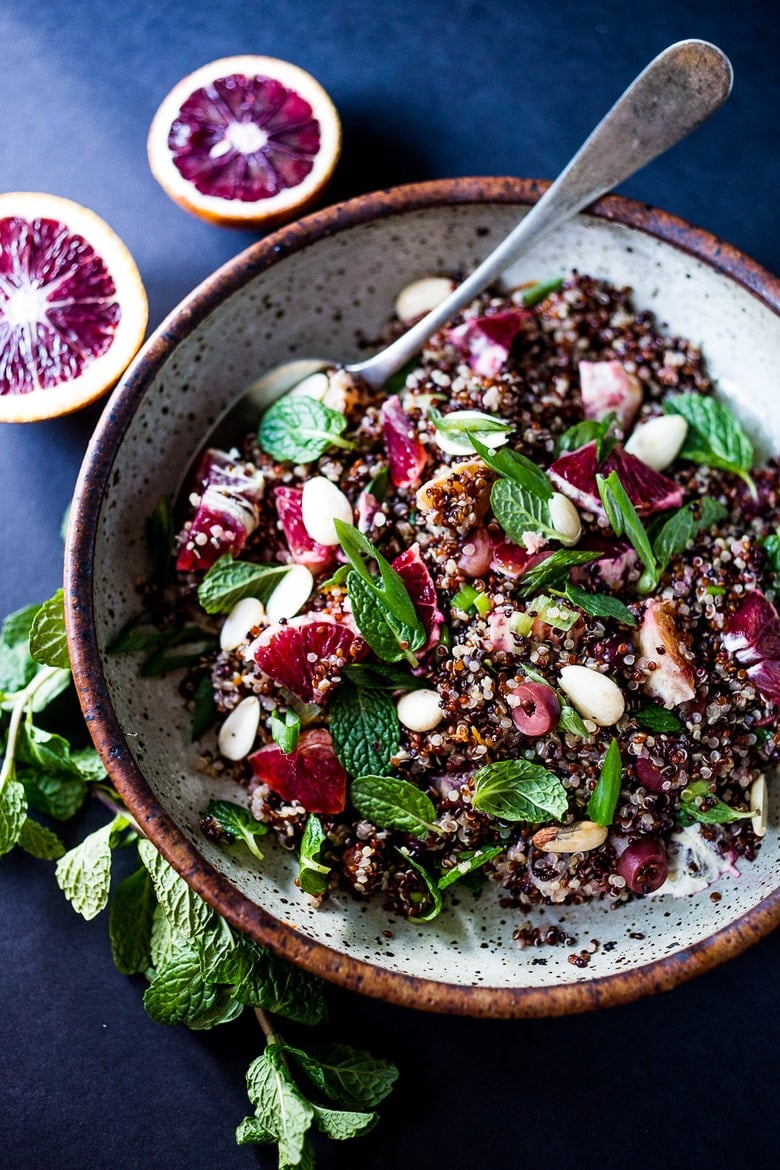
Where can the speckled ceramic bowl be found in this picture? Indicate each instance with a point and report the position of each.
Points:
(314, 289)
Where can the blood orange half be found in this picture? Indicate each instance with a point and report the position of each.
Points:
(73, 310)
(245, 141)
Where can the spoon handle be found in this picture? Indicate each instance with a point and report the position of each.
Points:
(673, 95)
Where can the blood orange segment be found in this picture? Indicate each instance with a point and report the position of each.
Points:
(73, 310)
(413, 571)
(245, 140)
(224, 503)
(306, 654)
(303, 550)
(310, 774)
(574, 474)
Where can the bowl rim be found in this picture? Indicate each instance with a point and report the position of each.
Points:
(216, 889)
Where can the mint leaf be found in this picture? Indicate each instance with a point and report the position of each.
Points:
(599, 604)
(370, 619)
(13, 813)
(185, 910)
(313, 875)
(276, 986)
(553, 571)
(434, 892)
(678, 531)
(229, 581)
(341, 1124)
(179, 994)
(347, 1075)
(160, 535)
(623, 517)
(571, 721)
(715, 436)
(250, 1130)
(365, 729)
(588, 431)
(17, 666)
(391, 803)
(285, 730)
(84, 873)
(519, 511)
(604, 797)
(658, 719)
(280, 1108)
(469, 862)
(55, 793)
(384, 602)
(228, 823)
(204, 711)
(130, 920)
(48, 643)
(39, 841)
(42, 749)
(300, 429)
(519, 790)
(513, 466)
(697, 802)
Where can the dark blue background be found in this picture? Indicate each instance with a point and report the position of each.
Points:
(425, 90)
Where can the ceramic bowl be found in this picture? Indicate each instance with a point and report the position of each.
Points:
(320, 287)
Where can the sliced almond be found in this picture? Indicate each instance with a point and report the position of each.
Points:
(419, 297)
(291, 594)
(237, 733)
(245, 614)
(578, 837)
(322, 503)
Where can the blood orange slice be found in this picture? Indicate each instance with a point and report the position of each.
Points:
(245, 140)
(73, 310)
(310, 774)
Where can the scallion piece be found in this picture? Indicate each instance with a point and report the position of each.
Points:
(604, 797)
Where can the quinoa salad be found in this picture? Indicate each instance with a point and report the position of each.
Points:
(506, 625)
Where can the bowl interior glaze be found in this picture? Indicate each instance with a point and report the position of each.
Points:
(325, 287)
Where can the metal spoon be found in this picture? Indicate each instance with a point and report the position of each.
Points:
(673, 95)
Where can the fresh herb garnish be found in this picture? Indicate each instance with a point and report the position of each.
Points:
(201, 972)
(468, 863)
(229, 581)
(658, 719)
(571, 721)
(285, 729)
(698, 803)
(676, 533)
(519, 511)
(588, 431)
(313, 874)
(623, 517)
(519, 790)
(431, 885)
(48, 643)
(474, 423)
(772, 553)
(300, 429)
(553, 571)
(715, 436)
(171, 649)
(391, 803)
(599, 604)
(537, 293)
(604, 797)
(381, 606)
(230, 824)
(513, 466)
(365, 729)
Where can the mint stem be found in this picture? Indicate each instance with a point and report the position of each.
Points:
(17, 714)
(117, 809)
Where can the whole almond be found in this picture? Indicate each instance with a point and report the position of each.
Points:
(593, 694)
(578, 837)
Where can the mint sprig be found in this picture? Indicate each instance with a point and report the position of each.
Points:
(365, 729)
(201, 973)
(229, 581)
(698, 804)
(392, 803)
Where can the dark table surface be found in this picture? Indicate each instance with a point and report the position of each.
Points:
(426, 90)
